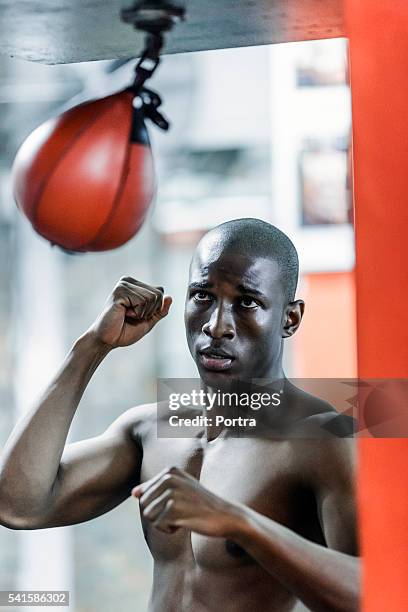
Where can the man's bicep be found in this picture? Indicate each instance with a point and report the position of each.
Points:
(338, 520)
(336, 498)
(95, 474)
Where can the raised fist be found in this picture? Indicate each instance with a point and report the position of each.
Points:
(131, 311)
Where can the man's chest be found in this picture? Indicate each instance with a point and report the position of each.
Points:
(262, 474)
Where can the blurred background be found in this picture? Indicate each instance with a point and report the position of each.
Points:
(261, 132)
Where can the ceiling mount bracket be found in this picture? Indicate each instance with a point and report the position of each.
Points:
(154, 16)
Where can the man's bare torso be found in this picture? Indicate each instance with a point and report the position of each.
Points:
(275, 477)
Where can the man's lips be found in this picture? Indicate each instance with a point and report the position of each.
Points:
(215, 360)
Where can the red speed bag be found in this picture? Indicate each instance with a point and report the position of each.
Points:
(85, 179)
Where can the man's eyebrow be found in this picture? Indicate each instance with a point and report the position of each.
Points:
(247, 289)
(200, 285)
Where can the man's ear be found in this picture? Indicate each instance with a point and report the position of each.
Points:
(292, 317)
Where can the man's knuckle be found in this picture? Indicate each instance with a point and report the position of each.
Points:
(160, 526)
(170, 503)
(171, 495)
(143, 503)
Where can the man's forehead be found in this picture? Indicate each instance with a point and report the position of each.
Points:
(232, 265)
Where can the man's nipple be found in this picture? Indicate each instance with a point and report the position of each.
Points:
(234, 550)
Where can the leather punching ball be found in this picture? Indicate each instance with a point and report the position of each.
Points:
(85, 179)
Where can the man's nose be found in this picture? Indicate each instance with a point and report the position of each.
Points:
(221, 323)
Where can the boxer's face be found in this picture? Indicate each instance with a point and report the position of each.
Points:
(234, 314)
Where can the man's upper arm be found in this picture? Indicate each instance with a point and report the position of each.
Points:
(96, 474)
(335, 486)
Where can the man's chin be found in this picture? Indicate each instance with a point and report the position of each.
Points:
(216, 378)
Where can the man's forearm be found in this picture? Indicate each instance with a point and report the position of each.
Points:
(31, 457)
(325, 580)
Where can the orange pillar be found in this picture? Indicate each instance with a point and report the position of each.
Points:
(378, 34)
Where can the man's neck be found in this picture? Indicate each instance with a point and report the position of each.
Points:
(227, 401)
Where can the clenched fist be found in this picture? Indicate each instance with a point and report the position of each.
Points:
(130, 312)
(174, 499)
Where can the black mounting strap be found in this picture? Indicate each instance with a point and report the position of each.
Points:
(148, 62)
(153, 17)
(146, 100)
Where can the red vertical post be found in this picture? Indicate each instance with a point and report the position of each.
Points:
(378, 35)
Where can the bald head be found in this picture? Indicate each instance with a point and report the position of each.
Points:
(260, 239)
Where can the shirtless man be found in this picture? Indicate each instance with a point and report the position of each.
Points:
(234, 523)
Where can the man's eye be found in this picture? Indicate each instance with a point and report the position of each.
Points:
(201, 296)
(248, 302)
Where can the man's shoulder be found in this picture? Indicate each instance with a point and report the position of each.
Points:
(329, 436)
(325, 447)
(330, 424)
(318, 418)
(141, 420)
